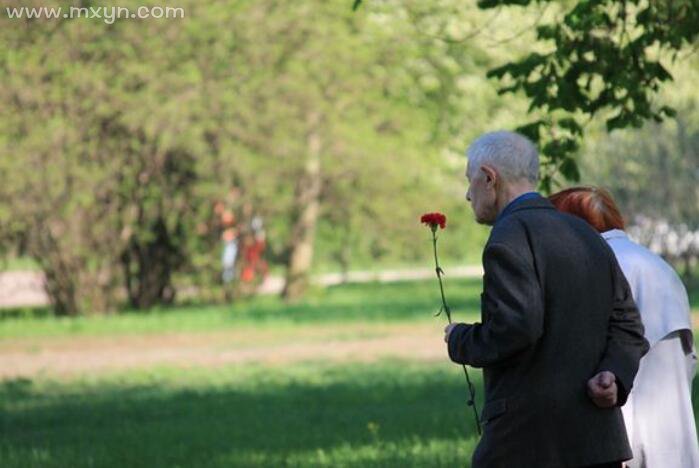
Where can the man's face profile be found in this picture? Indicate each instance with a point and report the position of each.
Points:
(481, 193)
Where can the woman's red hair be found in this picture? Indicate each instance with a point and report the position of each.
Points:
(594, 205)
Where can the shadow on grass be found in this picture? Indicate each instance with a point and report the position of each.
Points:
(386, 414)
(390, 414)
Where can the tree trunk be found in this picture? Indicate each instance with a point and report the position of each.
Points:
(59, 274)
(307, 206)
(60, 289)
(148, 269)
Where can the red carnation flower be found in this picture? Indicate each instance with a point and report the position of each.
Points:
(434, 219)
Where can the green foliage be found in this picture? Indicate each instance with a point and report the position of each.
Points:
(653, 174)
(122, 137)
(104, 134)
(605, 57)
(653, 170)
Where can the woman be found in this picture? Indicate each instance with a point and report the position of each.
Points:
(658, 414)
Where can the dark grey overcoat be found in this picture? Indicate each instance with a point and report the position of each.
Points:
(556, 310)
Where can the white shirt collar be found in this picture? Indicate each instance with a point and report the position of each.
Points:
(614, 234)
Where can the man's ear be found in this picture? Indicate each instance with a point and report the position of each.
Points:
(491, 175)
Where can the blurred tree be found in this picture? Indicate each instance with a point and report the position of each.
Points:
(606, 58)
(396, 101)
(342, 114)
(100, 126)
(654, 173)
(338, 129)
(598, 57)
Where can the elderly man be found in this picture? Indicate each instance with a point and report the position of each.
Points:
(560, 339)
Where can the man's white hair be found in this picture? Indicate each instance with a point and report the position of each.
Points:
(514, 156)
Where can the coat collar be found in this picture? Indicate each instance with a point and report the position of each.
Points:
(531, 201)
(614, 234)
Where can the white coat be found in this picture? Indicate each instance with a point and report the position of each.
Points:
(658, 414)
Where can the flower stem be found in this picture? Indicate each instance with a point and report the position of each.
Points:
(471, 389)
(439, 272)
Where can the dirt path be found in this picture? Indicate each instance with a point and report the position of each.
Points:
(362, 342)
(32, 357)
(56, 357)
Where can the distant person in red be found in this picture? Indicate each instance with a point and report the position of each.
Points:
(253, 251)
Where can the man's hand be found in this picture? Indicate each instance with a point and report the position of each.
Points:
(602, 389)
(447, 331)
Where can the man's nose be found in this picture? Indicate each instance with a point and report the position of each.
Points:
(468, 195)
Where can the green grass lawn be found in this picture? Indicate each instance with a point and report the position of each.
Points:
(390, 413)
(312, 414)
(388, 302)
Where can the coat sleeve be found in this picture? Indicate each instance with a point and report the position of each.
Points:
(626, 344)
(512, 311)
